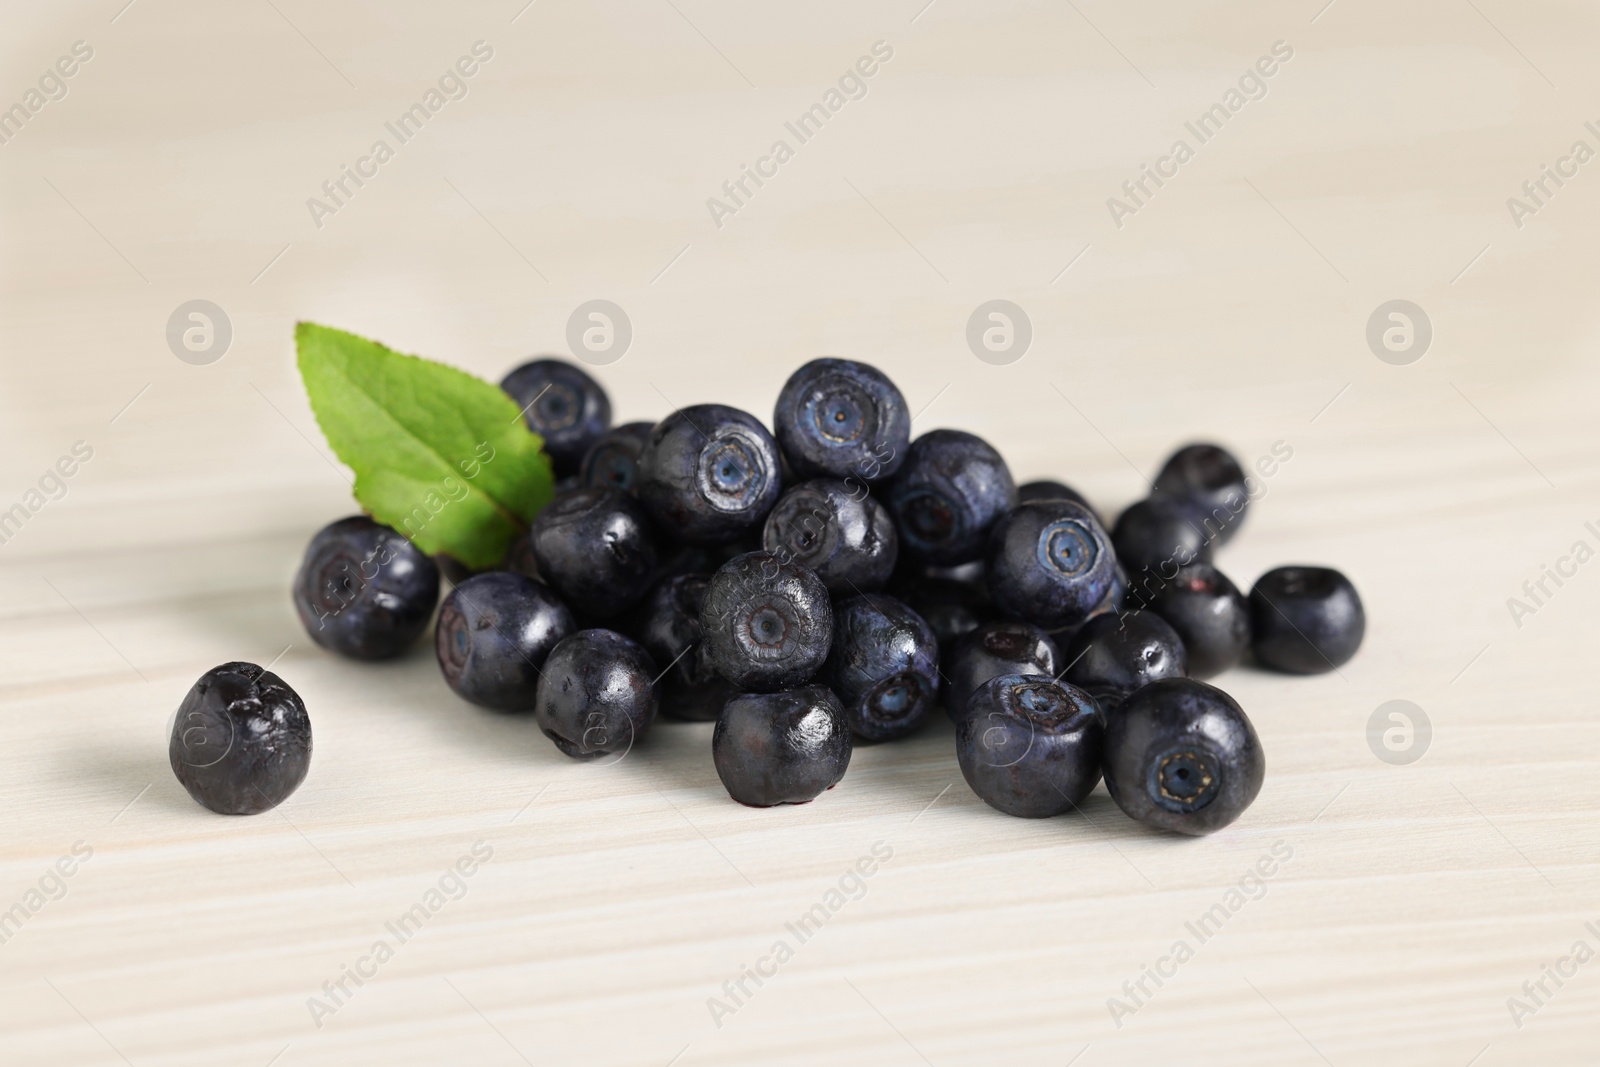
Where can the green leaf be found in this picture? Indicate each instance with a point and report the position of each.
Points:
(440, 455)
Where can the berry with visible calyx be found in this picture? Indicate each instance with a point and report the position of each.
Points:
(709, 474)
(1030, 746)
(612, 462)
(365, 591)
(494, 633)
(837, 418)
(1050, 563)
(767, 624)
(845, 536)
(884, 666)
(1181, 755)
(563, 405)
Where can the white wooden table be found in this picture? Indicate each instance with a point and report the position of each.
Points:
(612, 913)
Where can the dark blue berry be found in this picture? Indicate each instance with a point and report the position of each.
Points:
(845, 536)
(767, 624)
(241, 741)
(995, 649)
(563, 405)
(667, 624)
(595, 695)
(1305, 620)
(1051, 490)
(1159, 534)
(837, 419)
(495, 631)
(365, 591)
(1050, 563)
(951, 490)
(709, 473)
(1210, 615)
(781, 748)
(884, 665)
(1180, 755)
(1114, 654)
(612, 462)
(1210, 480)
(1030, 746)
(594, 547)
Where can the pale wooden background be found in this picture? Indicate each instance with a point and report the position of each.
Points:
(619, 899)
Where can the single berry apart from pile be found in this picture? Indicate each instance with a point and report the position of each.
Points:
(884, 665)
(709, 473)
(1113, 655)
(495, 631)
(612, 462)
(563, 405)
(837, 530)
(595, 695)
(992, 650)
(241, 741)
(1159, 534)
(1030, 746)
(839, 419)
(364, 591)
(667, 624)
(781, 748)
(767, 624)
(1180, 755)
(1210, 480)
(1305, 620)
(951, 490)
(1210, 615)
(1050, 563)
(595, 547)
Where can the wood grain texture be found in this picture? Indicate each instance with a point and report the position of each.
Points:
(618, 901)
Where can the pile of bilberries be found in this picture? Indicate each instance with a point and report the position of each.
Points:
(831, 582)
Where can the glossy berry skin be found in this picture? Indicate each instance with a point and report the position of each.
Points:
(1115, 654)
(1305, 620)
(952, 609)
(884, 666)
(992, 650)
(561, 404)
(612, 462)
(494, 633)
(365, 591)
(845, 536)
(767, 624)
(950, 492)
(1050, 563)
(1053, 490)
(709, 473)
(241, 741)
(667, 624)
(594, 547)
(1180, 755)
(1211, 481)
(839, 419)
(1209, 614)
(1158, 534)
(781, 748)
(595, 696)
(1030, 746)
